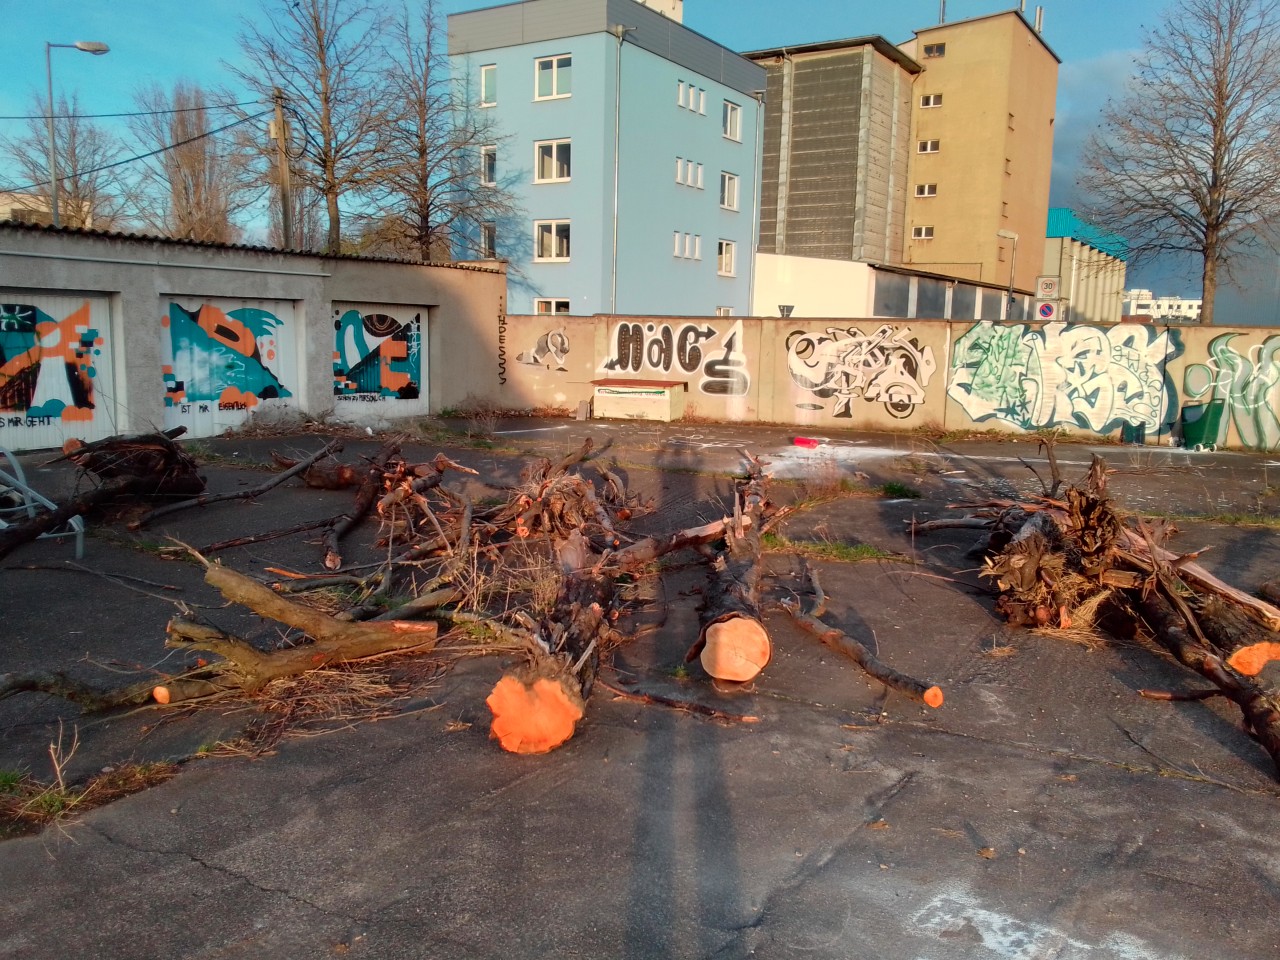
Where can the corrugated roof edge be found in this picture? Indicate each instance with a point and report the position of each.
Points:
(880, 44)
(14, 226)
(1063, 223)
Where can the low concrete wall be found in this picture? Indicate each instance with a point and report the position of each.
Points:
(104, 333)
(1086, 379)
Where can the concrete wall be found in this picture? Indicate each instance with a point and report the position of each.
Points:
(103, 334)
(1086, 379)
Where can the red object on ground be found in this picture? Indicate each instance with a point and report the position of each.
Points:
(808, 443)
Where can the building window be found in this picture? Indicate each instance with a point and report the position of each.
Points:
(928, 146)
(687, 246)
(931, 100)
(551, 161)
(922, 233)
(702, 102)
(489, 165)
(926, 189)
(935, 50)
(553, 77)
(697, 181)
(731, 121)
(675, 243)
(1011, 121)
(728, 190)
(726, 251)
(489, 241)
(680, 93)
(551, 240)
(488, 85)
(724, 311)
(549, 306)
(697, 246)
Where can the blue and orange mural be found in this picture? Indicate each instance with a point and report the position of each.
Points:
(48, 367)
(376, 356)
(228, 359)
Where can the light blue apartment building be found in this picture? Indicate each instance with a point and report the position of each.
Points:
(630, 145)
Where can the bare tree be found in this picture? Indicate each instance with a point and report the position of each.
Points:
(305, 206)
(432, 195)
(326, 56)
(92, 192)
(1187, 162)
(196, 182)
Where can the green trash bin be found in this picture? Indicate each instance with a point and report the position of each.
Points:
(1200, 424)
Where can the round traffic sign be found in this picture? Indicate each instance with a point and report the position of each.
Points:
(1046, 311)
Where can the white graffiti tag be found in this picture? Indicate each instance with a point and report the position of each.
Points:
(1249, 382)
(1094, 377)
(552, 347)
(888, 367)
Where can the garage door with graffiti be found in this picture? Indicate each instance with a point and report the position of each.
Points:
(379, 365)
(225, 360)
(55, 370)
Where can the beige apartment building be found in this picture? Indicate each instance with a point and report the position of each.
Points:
(982, 149)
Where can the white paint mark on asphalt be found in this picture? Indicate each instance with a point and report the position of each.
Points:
(508, 433)
(958, 920)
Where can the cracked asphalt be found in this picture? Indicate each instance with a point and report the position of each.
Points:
(1045, 811)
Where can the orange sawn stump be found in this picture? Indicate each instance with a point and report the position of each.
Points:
(533, 716)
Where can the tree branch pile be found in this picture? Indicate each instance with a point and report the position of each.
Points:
(1056, 562)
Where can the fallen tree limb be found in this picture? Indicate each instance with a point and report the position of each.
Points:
(1170, 630)
(927, 693)
(117, 488)
(205, 499)
(364, 501)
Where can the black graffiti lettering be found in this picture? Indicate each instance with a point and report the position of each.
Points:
(660, 348)
(13, 422)
(688, 353)
(629, 354)
(204, 408)
(502, 348)
(232, 405)
(185, 407)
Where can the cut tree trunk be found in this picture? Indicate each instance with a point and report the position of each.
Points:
(364, 501)
(733, 643)
(536, 707)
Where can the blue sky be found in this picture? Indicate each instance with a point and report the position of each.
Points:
(165, 40)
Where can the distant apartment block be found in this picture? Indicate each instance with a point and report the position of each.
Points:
(629, 147)
(981, 149)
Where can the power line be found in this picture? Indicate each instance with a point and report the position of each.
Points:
(139, 113)
(142, 156)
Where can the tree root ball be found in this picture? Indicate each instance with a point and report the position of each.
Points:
(533, 716)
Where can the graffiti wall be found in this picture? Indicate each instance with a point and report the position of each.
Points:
(712, 361)
(55, 371)
(842, 369)
(379, 360)
(223, 360)
(1245, 376)
(1094, 378)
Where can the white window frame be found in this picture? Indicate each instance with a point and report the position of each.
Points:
(538, 146)
(679, 169)
(489, 240)
(680, 92)
(540, 305)
(930, 100)
(675, 243)
(489, 150)
(731, 121)
(729, 196)
(698, 181)
(552, 229)
(697, 246)
(724, 311)
(555, 93)
(726, 258)
(928, 146)
(488, 70)
(922, 233)
(926, 189)
(702, 101)
(932, 50)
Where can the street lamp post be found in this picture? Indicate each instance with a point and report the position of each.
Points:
(1013, 264)
(86, 46)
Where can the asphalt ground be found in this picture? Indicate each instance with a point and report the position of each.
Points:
(1045, 811)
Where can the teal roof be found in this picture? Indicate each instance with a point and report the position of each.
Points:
(1064, 223)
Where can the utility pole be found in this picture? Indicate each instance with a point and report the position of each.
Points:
(280, 133)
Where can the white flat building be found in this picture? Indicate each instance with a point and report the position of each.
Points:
(1144, 303)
